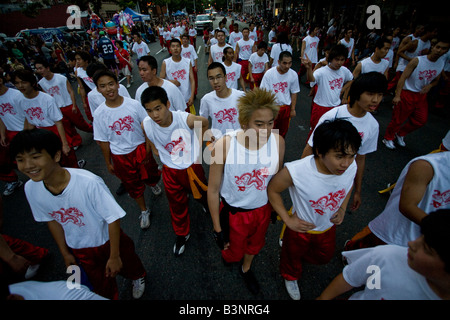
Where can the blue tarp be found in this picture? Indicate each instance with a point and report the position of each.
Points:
(136, 16)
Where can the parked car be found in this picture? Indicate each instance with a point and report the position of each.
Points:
(202, 22)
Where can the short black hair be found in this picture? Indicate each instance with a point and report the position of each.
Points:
(373, 82)
(284, 54)
(41, 60)
(338, 50)
(262, 45)
(102, 73)
(93, 67)
(35, 139)
(337, 134)
(175, 40)
(154, 93)
(434, 228)
(215, 65)
(381, 41)
(84, 55)
(25, 75)
(151, 61)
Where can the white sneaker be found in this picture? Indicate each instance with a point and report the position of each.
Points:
(156, 190)
(400, 141)
(31, 271)
(138, 288)
(292, 289)
(10, 187)
(145, 219)
(389, 144)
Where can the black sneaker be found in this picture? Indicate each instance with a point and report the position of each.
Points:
(178, 248)
(121, 190)
(250, 280)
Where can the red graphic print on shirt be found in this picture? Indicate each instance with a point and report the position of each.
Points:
(187, 55)
(259, 65)
(246, 47)
(441, 199)
(427, 75)
(231, 76)
(64, 216)
(218, 56)
(35, 113)
(256, 179)
(313, 45)
(280, 87)
(175, 146)
(226, 115)
(123, 124)
(53, 91)
(328, 203)
(179, 74)
(6, 108)
(336, 83)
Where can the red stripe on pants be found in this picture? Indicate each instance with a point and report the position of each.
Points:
(93, 260)
(247, 232)
(305, 247)
(177, 187)
(412, 109)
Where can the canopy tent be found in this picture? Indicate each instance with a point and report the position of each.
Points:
(136, 16)
(179, 13)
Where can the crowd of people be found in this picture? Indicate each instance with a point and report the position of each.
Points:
(244, 121)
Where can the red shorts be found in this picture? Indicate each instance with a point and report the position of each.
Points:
(134, 172)
(316, 113)
(247, 232)
(258, 78)
(244, 69)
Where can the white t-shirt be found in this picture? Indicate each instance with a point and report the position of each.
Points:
(397, 280)
(247, 173)
(233, 74)
(391, 225)
(390, 57)
(120, 126)
(11, 112)
(81, 73)
(367, 65)
(57, 88)
(95, 98)
(329, 85)
(175, 96)
(53, 290)
(258, 63)
(276, 50)
(84, 209)
(234, 38)
(349, 45)
(367, 127)
(245, 48)
(41, 111)
(283, 85)
(311, 45)
(177, 144)
(216, 52)
(180, 71)
(141, 49)
(189, 53)
(222, 111)
(316, 197)
(167, 35)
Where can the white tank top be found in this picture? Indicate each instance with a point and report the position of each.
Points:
(425, 72)
(81, 73)
(180, 71)
(177, 144)
(367, 65)
(391, 225)
(248, 172)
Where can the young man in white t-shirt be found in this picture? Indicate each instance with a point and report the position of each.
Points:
(376, 61)
(139, 46)
(221, 104)
(178, 70)
(366, 94)
(216, 50)
(171, 136)
(188, 52)
(232, 69)
(331, 80)
(235, 36)
(82, 215)
(244, 49)
(117, 128)
(283, 81)
(320, 186)
(258, 64)
(419, 271)
(349, 44)
(310, 49)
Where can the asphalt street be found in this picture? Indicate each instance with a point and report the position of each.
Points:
(199, 273)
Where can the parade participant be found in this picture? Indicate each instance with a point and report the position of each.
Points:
(258, 64)
(139, 47)
(310, 48)
(235, 36)
(117, 128)
(178, 70)
(376, 61)
(82, 215)
(239, 207)
(216, 50)
(320, 186)
(192, 36)
(349, 44)
(221, 104)
(410, 101)
(171, 136)
(244, 48)
(232, 69)
(283, 81)
(281, 45)
(85, 83)
(188, 52)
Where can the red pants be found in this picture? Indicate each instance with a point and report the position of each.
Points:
(393, 83)
(134, 172)
(161, 41)
(247, 233)
(282, 120)
(69, 161)
(32, 253)
(7, 165)
(93, 261)
(88, 110)
(258, 78)
(316, 113)
(196, 81)
(71, 121)
(311, 248)
(412, 108)
(177, 186)
(193, 42)
(244, 69)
